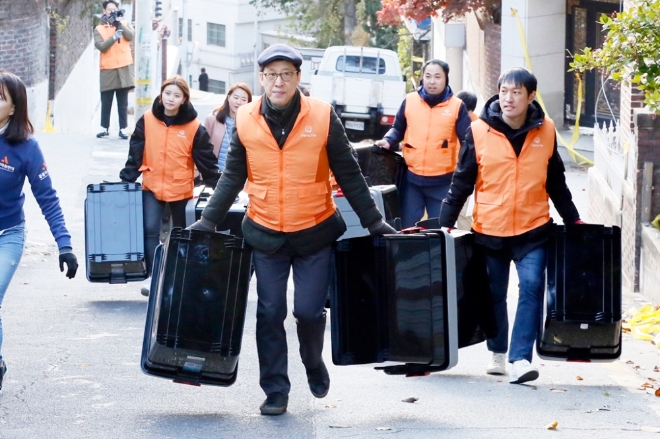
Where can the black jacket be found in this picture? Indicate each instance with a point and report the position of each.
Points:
(465, 178)
(346, 171)
(202, 151)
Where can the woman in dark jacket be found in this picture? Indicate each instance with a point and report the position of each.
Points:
(167, 144)
(431, 122)
(21, 157)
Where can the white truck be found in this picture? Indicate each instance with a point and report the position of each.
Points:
(364, 85)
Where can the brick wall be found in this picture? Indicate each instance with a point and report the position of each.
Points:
(493, 55)
(647, 130)
(23, 39)
(70, 34)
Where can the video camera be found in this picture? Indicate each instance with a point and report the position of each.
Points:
(114, 18)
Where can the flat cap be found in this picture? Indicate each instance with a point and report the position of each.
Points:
(279, 52)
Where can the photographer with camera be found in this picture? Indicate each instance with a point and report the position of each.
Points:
(112, 39)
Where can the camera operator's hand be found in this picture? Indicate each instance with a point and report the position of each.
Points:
(118, 34)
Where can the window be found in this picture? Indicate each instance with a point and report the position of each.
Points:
(181, 29)
(215, 34)
(368, 64)
(218, 87)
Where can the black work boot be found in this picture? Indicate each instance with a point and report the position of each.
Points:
(3, 371)
(275, 404)
(319, 380)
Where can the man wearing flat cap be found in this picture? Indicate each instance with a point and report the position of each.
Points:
(282, 150)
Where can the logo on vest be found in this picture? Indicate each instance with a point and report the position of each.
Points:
(308, 132)
(4, 165)
(536, 143)
(182, 134)
(446, 112)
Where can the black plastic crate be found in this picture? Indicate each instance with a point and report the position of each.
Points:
(197, 306)
(583, 295)
(114, 233)
(393, 299)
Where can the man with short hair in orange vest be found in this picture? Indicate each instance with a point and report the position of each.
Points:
(431, 124)
(285, 145)
(112, 39)
(510, 160)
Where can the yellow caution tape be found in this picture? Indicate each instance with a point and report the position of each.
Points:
(576, 129)
(144, 102)
(48, 127)
(143, 81)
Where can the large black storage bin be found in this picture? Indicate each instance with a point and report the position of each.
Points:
(114, 233)
(583, 296)
(233, 221)
(196, 310)
(393, 298)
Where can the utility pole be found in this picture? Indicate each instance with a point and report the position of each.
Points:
(256, 48)
(145, 49)
(184, 43)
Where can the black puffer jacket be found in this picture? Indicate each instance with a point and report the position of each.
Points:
(202, 151)
(465, 178)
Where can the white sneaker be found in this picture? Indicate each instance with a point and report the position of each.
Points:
(522, 371)
(497, 364)
(144, 289)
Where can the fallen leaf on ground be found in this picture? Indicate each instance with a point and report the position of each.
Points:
(557, 390)
(383, 428)
(579, 378)
(655, 369)
(411, 400)
(331, 406)
(652, 379)
(630, 362)
(552, 426)
(626, 330)
(647, 386)
(340, 426)
(606, 393)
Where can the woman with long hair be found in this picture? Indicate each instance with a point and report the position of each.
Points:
(21, 157)
(167, 144)
(220, 123)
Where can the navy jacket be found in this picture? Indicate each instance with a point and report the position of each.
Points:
(18, 161)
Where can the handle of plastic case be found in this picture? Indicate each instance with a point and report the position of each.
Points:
(411, 230)
(339, 193)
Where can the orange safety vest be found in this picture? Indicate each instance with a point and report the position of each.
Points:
(119, 54)
(427, 131)
(289, 188)
(167, 164)
(510, 193)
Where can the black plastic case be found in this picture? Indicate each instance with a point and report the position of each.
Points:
(232, 222)
(196, 310)
(393, 298)
(114, 233)
(382, 166)
(583, 295)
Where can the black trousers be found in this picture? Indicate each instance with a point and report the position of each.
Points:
(152, 211)
(122, 106)
(311, 277)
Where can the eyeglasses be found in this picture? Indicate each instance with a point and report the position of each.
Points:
(272, 77)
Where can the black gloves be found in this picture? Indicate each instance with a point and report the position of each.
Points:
(380, 227)
(202, 224)
(67, 256)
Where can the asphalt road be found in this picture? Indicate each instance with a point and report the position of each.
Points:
(73, 351)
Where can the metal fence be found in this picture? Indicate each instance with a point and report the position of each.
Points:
(614, 157)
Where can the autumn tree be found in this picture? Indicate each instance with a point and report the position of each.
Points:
(419, 10)
(631, 52)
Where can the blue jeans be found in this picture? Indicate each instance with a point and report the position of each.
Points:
(531, 286)
(419, 198)
(12, 241)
